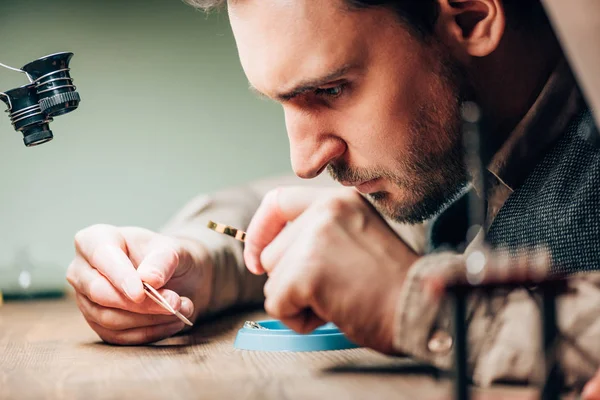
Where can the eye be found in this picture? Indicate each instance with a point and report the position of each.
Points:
(332, 92)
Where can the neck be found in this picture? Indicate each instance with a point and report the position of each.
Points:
(509, 81)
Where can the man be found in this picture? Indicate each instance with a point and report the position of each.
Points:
(372, 92)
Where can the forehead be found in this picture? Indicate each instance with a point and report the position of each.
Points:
(283, 41)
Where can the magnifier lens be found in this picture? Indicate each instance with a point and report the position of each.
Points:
(26, 115)
(51, 75)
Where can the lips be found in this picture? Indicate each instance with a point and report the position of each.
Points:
(364, 187)
(369, 186)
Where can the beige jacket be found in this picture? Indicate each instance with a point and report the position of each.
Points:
(504, 341)
(503, 334)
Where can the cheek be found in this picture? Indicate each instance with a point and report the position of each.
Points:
(383, 121)
(376, 130)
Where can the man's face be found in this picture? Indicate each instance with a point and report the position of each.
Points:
(362, 97)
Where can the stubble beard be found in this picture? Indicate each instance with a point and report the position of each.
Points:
(428, 180)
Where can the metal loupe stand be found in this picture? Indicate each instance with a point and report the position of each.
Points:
(553, 382)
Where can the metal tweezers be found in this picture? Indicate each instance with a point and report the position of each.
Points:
(158, 299)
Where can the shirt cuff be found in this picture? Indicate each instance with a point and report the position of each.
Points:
(419, 330)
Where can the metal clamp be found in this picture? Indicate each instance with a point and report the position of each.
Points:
(17, 70)
(2, 94)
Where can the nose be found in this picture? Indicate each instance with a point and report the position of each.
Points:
(313, 143)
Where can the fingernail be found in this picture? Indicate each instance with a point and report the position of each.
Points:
(155, 276)
(133, 289)
(187, 307)
(251, 265)
(174, 300)
(248, 260)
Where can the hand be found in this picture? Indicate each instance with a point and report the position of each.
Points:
(107, 272)
(591, 391)
(336, 260)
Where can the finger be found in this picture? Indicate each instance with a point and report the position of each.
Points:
(272, 253)
(281, 306)
(278, 207)
(158, 266)
(283, 298)
(305, 322)
(137, 336)
(105, 250)
(265, 225)
(591, 390)
(118, 320)
(98, 289)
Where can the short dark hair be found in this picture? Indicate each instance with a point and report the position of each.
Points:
(421, 15)
(206, 5)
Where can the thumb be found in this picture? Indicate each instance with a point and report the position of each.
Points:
(591, 391)
(158, 266)
(278, 207)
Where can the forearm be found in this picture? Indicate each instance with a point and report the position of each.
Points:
(232, 284)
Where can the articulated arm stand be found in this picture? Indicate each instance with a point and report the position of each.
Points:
(548, 290)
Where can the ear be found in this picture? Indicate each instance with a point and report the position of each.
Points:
(473, 27)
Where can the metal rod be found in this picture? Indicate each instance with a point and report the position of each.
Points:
(553, 382)
(461, 376)
(55, 88)
(2, 94)
(11, 68)
(473, 145)
(17, 70)
(38, 80)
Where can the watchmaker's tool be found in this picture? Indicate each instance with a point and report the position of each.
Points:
(228, 230)
(253, 325)
(274, 335)
(161, 301)
(549, 289)
(49, 93)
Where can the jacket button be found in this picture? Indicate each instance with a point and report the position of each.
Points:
(440, 342)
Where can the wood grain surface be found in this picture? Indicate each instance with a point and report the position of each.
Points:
(47, 351)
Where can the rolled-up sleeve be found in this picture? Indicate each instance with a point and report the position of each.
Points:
(504, 337)
(232, 284)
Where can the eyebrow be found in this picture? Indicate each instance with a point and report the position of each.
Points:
(307, 85)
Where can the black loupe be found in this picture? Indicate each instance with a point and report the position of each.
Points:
(26, 115)
(50, 93)
(55, 89)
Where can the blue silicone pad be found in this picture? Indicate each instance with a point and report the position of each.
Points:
(278, 337)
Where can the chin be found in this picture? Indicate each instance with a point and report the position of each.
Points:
(389, 207)
(405, 210)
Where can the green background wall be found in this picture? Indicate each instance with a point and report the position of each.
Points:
(166, 114)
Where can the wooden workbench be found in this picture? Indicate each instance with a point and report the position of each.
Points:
(47, 351)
